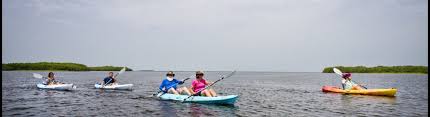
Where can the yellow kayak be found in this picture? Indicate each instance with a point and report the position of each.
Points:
(378, 92)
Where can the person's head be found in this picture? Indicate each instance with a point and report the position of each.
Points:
(51, 75)
(170, 74)
(346, 75)
(199, 75)
(110, 74)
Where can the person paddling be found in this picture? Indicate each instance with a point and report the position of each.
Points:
(169, 85)
(51, 79)
(347, 83)
(200, 83)
(110, 79)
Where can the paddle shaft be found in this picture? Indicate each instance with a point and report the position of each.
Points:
(211, 84)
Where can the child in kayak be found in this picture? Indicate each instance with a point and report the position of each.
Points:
(51, 79)
(110, 79)
(347, 83)
(199, 84)
(169, 85)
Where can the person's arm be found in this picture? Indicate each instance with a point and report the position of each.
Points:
(343, 84)
(162, 86)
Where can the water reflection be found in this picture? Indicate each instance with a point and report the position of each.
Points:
(167, 109)
(367, 99)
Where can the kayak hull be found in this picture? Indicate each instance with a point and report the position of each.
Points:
(114, 87)
(377, 92)
(57, 87)
(223, 100)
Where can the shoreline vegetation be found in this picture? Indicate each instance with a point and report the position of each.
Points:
(380, 69)
(57, 66)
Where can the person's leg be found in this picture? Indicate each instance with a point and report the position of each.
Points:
(185, 89)
(212, 92)
(356, 87)
(207, 93)
(191, 91)
(172, 90)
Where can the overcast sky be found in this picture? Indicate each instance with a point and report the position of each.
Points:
(246, 35)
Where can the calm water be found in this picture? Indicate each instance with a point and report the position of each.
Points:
(261, 94)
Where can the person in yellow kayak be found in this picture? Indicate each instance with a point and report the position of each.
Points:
(199, 84)
(348, 84)
(51, 79)
(169, 85)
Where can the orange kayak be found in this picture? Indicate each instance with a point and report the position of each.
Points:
(378, 92)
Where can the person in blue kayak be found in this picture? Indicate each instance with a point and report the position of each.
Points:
(169, 85)
(51, 79)
(110, 79)
(199, 84)
(347, 83)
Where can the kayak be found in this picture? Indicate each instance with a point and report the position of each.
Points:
(114, 87)
(224, 100)
(377, 92)
(57, 86)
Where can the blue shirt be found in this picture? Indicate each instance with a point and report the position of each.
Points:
(108, 80)
(166, 84)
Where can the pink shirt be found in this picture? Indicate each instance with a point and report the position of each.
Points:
(198, 85)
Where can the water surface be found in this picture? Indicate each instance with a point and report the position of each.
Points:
(261, 94)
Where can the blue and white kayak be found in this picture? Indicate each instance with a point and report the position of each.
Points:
(227, 100)
(57, 86)
(114, 86)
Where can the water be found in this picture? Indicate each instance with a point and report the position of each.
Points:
(261, 94)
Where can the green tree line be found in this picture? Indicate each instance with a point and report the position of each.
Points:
(57, 66)
(380, 69)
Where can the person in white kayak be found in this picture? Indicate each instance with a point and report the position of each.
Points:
(169, 85)
(109, 80)
(51, 79)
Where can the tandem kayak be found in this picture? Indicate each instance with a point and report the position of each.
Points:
(223, 100)
(57, 86)
(377, 92)
(115, 86)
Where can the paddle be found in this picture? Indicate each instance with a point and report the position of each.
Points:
(115, 76)
(169, 86)
(229, 75)
(36, 75)
(337, 71)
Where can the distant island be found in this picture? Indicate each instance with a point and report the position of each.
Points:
(379, 69)
(57, 66)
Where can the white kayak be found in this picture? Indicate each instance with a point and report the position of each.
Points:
(57, 86)
(225, 100)
(115, 86)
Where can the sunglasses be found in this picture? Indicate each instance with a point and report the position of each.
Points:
(199, 74)
(170, 74)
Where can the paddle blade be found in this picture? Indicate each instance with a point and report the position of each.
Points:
(122, 71)
(337, 71)
(231, 74)
(36, 75)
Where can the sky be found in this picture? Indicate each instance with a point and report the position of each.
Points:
(211, 35)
